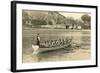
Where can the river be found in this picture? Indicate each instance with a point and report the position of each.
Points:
(81, 37)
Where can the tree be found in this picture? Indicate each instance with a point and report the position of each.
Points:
(87, 20)
(27, 18)
(78, 22)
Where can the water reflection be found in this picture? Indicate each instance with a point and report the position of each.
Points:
(53, 55)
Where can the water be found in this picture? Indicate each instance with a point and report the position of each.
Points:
(81, 37)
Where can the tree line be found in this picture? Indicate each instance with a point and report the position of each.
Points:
(54, 18)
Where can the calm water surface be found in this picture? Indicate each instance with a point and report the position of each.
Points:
(81, 37)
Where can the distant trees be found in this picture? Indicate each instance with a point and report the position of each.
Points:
(30, 19)
(60, 19)
(87, 21)
(38, 22)
(37, 19)
(26, 18)
(86, 18)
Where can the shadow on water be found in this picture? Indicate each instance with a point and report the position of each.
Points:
(49, 55)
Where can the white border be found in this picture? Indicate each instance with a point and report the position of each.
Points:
(21, 66)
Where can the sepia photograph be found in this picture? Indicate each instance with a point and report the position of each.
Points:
(48, 36)
(55, 36)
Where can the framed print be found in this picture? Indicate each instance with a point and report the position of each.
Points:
(48, 36)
